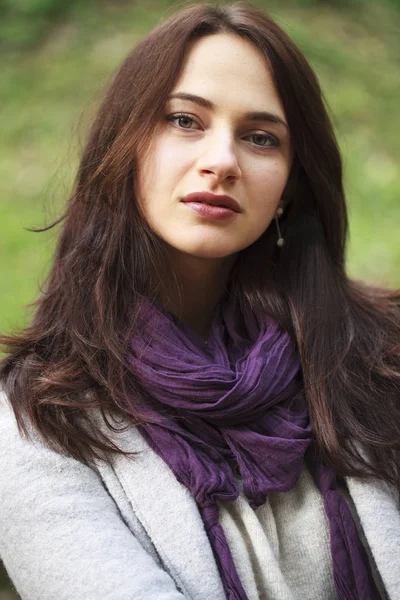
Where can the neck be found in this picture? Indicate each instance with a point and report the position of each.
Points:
(200, 285)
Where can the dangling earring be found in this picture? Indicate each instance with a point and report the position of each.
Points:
(280, 241)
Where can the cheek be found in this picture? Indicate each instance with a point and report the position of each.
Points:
(151, 172)
(158, 179)
(167, 166)
(268, 185)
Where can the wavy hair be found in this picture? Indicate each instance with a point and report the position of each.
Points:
(73, 356)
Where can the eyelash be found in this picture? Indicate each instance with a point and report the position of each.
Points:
(275, 142)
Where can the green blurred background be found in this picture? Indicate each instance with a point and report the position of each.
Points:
(57, 57)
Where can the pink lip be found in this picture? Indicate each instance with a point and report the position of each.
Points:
(216, 213)
(216, 200)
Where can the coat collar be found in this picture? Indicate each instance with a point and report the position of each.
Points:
(172, 520)
(170, 516)
(378, 508)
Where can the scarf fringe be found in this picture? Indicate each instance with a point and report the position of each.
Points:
(232, 585)
(354, 581)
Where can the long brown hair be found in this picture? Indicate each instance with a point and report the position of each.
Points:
(74, 354)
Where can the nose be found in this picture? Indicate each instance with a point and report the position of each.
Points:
(219, 159)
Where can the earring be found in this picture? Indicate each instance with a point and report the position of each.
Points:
(278, 214)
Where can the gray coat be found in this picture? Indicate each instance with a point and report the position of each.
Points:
(130, 531)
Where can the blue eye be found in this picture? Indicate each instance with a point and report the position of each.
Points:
(181, 117)
(260, 140)
(269, 140)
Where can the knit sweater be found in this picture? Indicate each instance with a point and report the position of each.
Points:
(282, 549)
(128, 530)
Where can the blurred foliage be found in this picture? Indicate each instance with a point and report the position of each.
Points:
(25, 23)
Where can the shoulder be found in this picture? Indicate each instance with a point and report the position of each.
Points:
(25, 457)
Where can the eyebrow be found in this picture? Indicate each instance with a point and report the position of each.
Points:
(250, 116)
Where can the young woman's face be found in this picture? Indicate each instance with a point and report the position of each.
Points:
(229, 137)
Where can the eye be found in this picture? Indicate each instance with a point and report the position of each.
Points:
(264, 140)
(184, 121)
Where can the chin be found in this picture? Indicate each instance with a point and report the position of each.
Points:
(211, 253)
(202, 249)
(205, 247)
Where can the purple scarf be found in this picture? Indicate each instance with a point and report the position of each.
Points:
(238, 400)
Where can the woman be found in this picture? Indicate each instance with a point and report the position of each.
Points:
(204, 405)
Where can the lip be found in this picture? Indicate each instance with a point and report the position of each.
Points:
(213, 200)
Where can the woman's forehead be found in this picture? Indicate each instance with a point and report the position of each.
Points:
(226, 70)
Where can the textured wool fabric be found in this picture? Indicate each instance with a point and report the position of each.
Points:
(238, 399)
(281, 550)
(129, 529)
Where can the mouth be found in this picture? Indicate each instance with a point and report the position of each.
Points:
(219, 200)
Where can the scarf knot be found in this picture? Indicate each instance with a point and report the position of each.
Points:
(238, 400)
